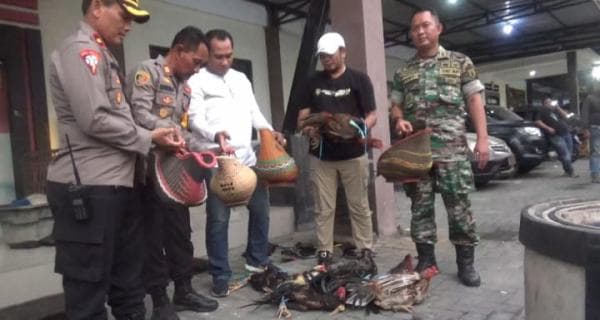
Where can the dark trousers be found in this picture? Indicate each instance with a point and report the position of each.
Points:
(100, 257)
(167, 237)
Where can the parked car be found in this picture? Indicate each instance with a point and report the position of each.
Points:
(526, 141)
(501, 163)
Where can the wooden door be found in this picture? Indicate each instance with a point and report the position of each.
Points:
(27, 121)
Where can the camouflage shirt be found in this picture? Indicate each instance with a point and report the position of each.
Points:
(435, 90)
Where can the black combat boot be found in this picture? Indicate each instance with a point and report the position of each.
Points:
(186, 298)
(162, 307)
(465, 257)
(426, 257)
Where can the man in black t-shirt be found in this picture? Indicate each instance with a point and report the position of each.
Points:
(550, 119)
(339, 89)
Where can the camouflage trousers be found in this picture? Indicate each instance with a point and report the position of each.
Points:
(454, 181)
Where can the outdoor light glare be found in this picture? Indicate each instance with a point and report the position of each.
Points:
(452, 1)
(596, 72)
(507, 29)
(532, 73)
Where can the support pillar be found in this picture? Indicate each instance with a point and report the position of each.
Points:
(274, 71)
(572, 83)
(361, 24)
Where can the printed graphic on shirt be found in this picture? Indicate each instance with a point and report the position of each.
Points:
(91, 58)
(332, 93)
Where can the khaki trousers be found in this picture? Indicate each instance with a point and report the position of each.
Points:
(354, 176)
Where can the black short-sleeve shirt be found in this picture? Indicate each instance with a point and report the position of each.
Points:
(350, 93)
(553, 120)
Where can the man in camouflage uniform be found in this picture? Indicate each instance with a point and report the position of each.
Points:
(433, 86)
(160, 97)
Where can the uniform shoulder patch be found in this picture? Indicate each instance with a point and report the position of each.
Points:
(91, 58)
(142, 78)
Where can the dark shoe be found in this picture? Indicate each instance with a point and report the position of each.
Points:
(426, 256)
(465, 257)
(164, 312)
(570, 175)
(186, 298)
(134, 316)
(220, 289)
(324, 257)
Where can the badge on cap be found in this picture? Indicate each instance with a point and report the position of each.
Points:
(168, 100)
(91, 58)
(142, 78)
(164, 112)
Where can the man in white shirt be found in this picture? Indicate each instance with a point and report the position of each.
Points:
(223, 111)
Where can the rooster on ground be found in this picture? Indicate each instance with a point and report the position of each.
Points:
(398, 290)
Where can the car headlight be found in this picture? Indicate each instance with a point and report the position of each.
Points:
(530, 131)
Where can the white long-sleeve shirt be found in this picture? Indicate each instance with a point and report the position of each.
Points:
(225, 103)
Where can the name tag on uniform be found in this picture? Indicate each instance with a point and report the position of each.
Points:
(410, 77)
(450, 69)
(166, 88)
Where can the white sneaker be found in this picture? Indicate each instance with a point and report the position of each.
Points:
(254, 269)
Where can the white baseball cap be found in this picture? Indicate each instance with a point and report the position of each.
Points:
(330, 42)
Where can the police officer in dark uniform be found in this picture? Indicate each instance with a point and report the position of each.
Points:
(90, 181)
(159, 95)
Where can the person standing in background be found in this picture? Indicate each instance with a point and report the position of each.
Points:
(590, 118)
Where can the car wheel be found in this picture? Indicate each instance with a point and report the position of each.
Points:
(481, 182)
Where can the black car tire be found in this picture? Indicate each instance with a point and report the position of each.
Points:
(482, 182)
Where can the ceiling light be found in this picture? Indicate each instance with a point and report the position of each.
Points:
(507, 29)
(532, 73)
(452, 1)
(596, 72)
(507, 3)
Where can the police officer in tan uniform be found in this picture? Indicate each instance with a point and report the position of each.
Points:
(159, 95)
(97, 223)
